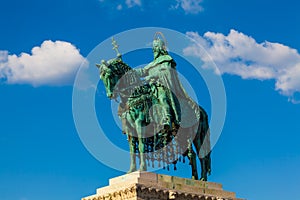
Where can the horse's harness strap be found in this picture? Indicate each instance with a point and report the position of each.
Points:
(138, 101)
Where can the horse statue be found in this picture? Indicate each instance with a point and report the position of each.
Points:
(141, 113)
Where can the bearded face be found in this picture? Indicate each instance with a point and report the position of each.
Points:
(158, 48)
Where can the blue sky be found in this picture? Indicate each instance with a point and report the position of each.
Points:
(255, 44)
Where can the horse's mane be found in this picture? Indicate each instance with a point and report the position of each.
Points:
(118, 63)
(125, 67)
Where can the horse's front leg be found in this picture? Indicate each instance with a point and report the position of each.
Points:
(140, 132)
(132, 146)
(127, 126)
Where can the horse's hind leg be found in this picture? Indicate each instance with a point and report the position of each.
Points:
(202, 144)
(197, 144)
(206, 167)
(208, 164)
(192, 158)
(132, 147)
(203, 169)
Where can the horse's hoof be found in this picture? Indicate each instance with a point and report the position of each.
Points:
(131, 170)
(143, 168)
(203, 179)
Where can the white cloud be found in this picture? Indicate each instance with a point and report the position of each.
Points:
(52, 63)
(239, 54)
(122, 4)
(3, 55)
(119, 7)
(289, 81)
(189, 6)
(132, 3)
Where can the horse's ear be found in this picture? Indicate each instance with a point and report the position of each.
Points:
(98, 65)
(103, 62)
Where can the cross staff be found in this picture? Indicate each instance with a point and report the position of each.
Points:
(115, 46)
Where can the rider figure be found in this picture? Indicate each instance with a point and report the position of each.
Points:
(162, 72)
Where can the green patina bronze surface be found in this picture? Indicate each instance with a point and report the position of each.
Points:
(161, 121)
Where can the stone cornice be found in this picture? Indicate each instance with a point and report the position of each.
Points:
(150, 186)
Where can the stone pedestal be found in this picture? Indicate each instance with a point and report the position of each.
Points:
(150, 186)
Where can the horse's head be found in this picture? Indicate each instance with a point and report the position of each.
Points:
(111, 72)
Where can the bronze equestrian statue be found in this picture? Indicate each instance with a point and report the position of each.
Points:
(161, 121)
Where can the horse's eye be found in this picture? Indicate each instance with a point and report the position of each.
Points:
(102, 74)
